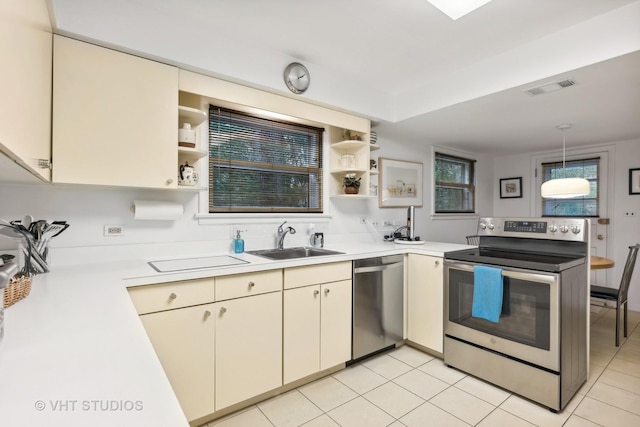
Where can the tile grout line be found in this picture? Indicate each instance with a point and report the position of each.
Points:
(586, 394)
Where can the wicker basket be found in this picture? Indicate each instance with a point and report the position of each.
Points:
(17, 289)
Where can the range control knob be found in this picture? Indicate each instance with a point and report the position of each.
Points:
(564, 228)
(575, 229)
(483, 225)
(553, 228)
(491, 226)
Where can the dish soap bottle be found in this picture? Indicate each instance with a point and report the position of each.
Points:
(238, 243)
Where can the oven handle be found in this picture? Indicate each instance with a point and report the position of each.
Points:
(535, 277)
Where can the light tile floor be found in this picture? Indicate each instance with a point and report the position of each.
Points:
(405, 387)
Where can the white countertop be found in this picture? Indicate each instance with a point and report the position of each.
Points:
(76, 354)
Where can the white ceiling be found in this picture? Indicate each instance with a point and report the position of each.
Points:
(424, 77)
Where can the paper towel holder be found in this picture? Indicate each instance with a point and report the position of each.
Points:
(156, 210)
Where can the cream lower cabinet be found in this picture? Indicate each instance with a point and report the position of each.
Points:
(426, 301)
(216, 354)
(115, 118)
(180, 322)
(184, 342)
(248, 354)
(317, 319)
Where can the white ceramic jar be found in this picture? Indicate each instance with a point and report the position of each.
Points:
(186, 135)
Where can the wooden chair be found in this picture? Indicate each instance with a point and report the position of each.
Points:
(473, 240)
(619, 295)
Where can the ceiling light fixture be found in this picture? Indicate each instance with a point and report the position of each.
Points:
(564, 188)
(457, 8)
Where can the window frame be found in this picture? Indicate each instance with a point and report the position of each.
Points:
(282, 125)
(472, 186)
(567, 162)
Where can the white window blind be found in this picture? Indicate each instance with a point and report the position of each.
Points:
(262, 165)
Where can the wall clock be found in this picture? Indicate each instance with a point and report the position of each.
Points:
(297, 77)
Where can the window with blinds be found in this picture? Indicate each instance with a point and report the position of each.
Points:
(263, 165)
(454, 184)
(584, 206)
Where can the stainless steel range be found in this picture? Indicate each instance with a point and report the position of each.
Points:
(536, 271)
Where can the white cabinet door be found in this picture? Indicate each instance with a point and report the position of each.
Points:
(317, 328)
(301, 339)
(248, 347)
(25, 85)
(335, 324)
(184, 342)
(426, 301)
(115, 118)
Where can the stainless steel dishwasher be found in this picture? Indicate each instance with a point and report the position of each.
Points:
(378, 302)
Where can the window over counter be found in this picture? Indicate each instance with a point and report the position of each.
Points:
(454, 184)
(257, 164)
(584, 206)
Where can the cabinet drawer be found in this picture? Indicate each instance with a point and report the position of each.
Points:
(166, 296)
(296, 277)
(242, 285)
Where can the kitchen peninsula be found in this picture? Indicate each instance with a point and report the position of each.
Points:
(76, 353)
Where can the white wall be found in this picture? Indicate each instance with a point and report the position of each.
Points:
(444, 228)
(623, 231)
(89, 208)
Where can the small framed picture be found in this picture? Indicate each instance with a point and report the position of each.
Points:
(634, 181)
(511, 188)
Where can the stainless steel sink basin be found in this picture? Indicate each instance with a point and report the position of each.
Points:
(293, 253)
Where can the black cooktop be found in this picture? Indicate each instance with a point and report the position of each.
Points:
(549, 262)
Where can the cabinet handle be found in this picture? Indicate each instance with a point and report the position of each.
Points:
(222, 310)
(437, 262)
(326, 291)
(207, 313)
(169, 181)
(172, 296)
(316, 292)
(251, 285)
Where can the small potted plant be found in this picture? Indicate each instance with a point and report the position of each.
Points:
(351, 184)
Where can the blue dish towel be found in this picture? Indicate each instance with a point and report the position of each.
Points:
(487, 293)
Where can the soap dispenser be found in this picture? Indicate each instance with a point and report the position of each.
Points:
(238, 243)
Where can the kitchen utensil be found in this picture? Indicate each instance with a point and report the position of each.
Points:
(26, 221)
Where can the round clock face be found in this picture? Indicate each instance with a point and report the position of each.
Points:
(297, 77)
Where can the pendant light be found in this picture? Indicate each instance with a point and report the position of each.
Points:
(565, 188)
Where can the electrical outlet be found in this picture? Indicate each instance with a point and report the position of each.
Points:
(630, 213)
(363, 220)
(113, 230)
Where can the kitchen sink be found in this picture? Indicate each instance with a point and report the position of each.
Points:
(293, 253)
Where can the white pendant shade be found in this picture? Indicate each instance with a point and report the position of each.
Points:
(565, 188)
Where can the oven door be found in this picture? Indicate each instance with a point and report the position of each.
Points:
(528, 328)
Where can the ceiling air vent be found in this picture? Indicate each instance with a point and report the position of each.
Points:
(550, 87)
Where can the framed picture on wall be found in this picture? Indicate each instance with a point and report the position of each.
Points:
(511, 188)
(400, 183)
(634, 181)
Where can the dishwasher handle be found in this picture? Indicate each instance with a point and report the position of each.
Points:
(377, 268)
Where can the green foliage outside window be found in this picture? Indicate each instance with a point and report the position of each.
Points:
(455, 184)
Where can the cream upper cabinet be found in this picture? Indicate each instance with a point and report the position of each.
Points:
(184, 342)
(25, 67)
(317, 319)
(425, 301)
(115, 118)
(248, 347)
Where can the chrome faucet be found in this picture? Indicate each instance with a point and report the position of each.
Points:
(282, 232)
